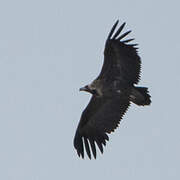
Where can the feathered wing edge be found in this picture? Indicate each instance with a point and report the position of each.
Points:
(115, 37)
(116, 46)
(90, 137)
(81, 141)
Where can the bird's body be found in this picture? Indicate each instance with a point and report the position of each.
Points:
(112, 91)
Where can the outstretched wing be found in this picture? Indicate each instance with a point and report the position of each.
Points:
(101, 116)
(121, 60)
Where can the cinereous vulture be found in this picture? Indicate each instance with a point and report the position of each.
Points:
(112, 92)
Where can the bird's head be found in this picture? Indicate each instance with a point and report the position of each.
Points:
(89, 89)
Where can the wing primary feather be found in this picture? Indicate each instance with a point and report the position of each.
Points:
(133, 45)
(106, 136)
(78, 144)
(87, 147)
(123, 35)
(80, 149)
(118, 31)
(103, 141)
(112, 30)
(126, 41)
(93, 147)
(98, 142)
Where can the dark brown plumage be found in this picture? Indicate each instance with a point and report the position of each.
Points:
(112, 91)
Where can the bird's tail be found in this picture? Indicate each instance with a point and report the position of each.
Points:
(140, 96)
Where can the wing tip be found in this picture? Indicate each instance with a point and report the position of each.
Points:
(89, 144)
(112, 29)
(78, 144)
(118, 32)
(123, 35)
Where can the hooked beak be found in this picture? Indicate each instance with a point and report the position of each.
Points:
(85, 88)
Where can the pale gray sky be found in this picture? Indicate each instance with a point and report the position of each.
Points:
(48, 49)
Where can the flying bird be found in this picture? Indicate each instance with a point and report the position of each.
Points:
(112, 92)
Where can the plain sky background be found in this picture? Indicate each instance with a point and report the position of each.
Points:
(48, 50)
